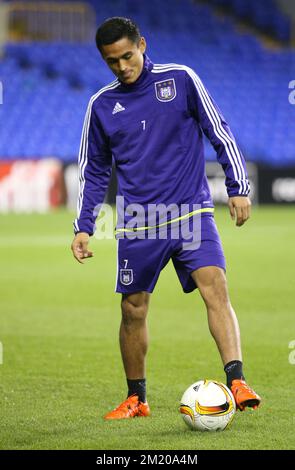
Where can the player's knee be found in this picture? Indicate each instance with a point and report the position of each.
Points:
(214, 291)
(133, 310)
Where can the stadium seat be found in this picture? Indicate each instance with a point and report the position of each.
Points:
(47, 85)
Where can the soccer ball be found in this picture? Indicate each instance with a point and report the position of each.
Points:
(207, 405)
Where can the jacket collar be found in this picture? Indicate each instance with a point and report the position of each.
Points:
(143, 77)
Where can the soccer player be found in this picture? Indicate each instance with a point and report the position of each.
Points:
(150, 121)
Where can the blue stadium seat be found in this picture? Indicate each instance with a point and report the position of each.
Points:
(47, 86)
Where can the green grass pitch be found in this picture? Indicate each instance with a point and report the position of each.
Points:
(62, 370)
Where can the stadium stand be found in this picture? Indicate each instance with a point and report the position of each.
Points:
(47, 85)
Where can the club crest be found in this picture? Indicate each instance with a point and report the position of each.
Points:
(126, 276)
(165, 90)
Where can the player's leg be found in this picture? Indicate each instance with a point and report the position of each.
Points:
(224, 327)
(134, 334)
(223, 323)
(204, 267)
(139, 264)
(134, 345)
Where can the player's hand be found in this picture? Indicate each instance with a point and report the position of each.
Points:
(80, 247)
(240, 209)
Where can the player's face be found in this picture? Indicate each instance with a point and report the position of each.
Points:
(125, 58)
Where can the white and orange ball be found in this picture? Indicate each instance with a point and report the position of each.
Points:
(207, 405)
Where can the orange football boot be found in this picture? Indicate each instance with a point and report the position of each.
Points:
(130, 408)
(244, 395)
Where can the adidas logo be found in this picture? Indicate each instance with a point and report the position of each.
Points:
(118, 107)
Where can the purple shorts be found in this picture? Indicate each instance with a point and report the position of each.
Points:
(140, 261)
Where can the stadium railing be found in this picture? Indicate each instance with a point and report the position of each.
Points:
(52, 21)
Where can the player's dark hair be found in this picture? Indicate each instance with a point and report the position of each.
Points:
(114, 29)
